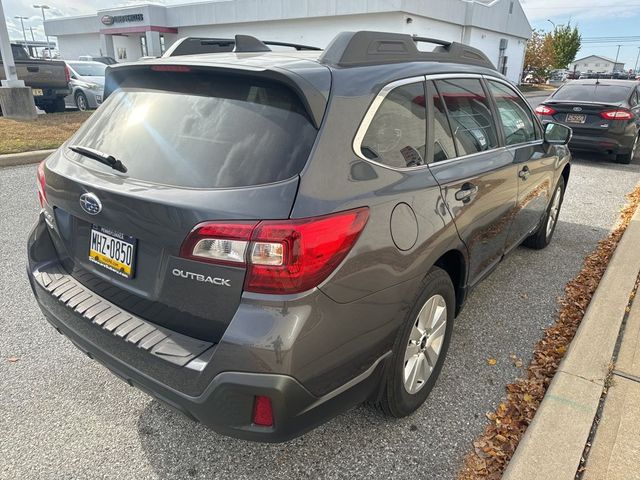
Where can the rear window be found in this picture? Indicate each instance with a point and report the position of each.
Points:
(201, 131)
(593, 93)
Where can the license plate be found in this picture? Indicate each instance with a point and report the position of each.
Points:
(37, 92)
(112, 250)
(576, 118)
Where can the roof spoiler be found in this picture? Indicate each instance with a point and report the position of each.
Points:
(239, 44)
(351, 49)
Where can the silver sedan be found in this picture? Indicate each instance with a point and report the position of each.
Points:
(87, 84)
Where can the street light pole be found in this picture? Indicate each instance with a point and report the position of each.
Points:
(552, 23)
(24, 33)
(42, 9)
(635, 69)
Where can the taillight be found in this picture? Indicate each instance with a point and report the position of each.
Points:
(42, 193)
(544, 110)
(617, 115)
(67, 73)
(282, 256)
(262, 411)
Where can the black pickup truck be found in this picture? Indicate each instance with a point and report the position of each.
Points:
(49, 79)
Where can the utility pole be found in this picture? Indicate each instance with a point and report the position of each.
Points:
(635, 69)
(24, 34)
(617, 56)
(16, 100)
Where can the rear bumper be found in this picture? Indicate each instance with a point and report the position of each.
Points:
(223, 400)
(614, 143)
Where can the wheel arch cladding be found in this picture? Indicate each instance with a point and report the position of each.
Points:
(453, 262)
(565, 173)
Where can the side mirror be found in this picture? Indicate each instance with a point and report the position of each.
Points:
(557, 134)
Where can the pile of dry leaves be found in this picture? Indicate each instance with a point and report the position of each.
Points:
(494, 448)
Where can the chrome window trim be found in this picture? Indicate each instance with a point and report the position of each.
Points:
(375, 105)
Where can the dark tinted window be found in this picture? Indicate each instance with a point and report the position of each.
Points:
(516, 116)
(229, 132)
(469, 114)
(397, 133)
(593, 93)
(443, 144)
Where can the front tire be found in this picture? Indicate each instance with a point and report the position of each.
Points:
(81, 101)
(542, 237)
(420, 348)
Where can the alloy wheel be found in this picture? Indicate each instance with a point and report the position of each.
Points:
(425, 344)
(554, 211)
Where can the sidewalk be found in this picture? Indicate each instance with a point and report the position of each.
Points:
(615, 452)
(603, 361)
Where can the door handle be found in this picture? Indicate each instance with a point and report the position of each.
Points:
(33, 69)
(466, 193)
(524, 173)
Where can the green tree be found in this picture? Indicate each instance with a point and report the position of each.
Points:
(566, 44)
(539, 58)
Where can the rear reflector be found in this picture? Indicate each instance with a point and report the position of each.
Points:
(42, 194)
(617, 115)
(262, 411)
(282, 256)
(544, 110)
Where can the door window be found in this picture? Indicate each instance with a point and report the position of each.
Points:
(397, 134)
(516, 116)
(470, 115)
(443, 144)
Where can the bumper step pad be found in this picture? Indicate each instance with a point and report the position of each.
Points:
(171, 346)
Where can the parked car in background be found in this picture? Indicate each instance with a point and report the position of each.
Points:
(101, 59)
(603, 113)
(87, 84)
(49, 79)
(266, 240)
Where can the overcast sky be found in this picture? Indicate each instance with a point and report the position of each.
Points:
(596, 18)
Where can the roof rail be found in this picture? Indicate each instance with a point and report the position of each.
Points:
(353, 49)
(241, 43)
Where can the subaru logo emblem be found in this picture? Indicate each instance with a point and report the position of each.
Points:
(577, 109)
(90, 203)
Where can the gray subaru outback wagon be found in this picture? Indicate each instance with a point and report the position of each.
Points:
(263, 239)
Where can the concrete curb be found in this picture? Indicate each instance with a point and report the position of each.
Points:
(24, 158)
(553, 444)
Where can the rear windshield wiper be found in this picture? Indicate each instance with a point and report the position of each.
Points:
(97, 155)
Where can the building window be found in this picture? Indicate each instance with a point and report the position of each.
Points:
(162, 47)
(143, 46)
(510, 8)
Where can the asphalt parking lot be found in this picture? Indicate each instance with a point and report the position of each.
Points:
(64, 416)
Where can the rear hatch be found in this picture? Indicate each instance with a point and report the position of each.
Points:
(198, 146)
(581, 105)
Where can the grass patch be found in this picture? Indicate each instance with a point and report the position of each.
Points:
(46, 131)
(493, 449)
(537, 88)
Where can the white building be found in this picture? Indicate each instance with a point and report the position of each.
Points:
(596, 64)
(127, 33)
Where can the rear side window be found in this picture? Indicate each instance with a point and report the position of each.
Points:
(202, 131)
(469, 114)
(601, 92)
(516, 116)
(396, 135)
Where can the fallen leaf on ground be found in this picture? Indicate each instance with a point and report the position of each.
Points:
(491, 361)
(13, 359)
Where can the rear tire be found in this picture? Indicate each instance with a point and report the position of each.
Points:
(626, 158)
(543, 235)
(54, 107)
(430, 321)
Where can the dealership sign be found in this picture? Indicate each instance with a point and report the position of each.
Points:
(111, 19)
